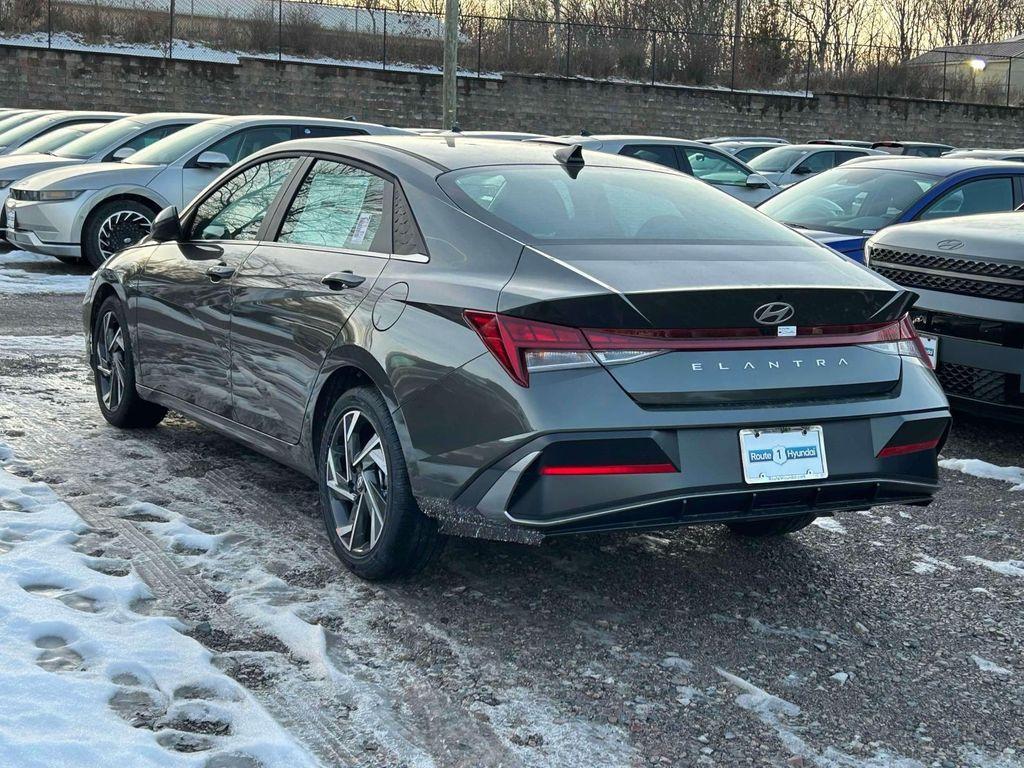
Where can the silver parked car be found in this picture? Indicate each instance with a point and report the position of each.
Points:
(93, 210)
(796, 162)
(969, 275)
(112, 142)
(707, 163)
(14, 137)
(746, 150)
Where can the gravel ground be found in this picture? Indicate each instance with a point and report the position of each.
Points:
(888, 638)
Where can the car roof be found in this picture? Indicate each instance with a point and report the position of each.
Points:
(242, 120)
(830, 148)
(623, 138)
(991, 154)
(172, 116)
(447, 152)
(938, 166)
(893, 143)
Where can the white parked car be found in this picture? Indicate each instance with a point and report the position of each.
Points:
(23, 132)
(707, 163)
(92, 211)
(111, 143)
(791, 163)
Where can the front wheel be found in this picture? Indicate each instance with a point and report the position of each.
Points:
(113, 370)
(776, 526)
(372, 519)
(114, 226)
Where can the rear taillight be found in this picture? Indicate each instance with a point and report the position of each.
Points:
(522, 346)
(609, 469)
(904, 449)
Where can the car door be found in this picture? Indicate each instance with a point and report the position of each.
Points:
(293, 295)
(236, 147)
(184, 305)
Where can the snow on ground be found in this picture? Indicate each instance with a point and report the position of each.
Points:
(1004, 567)
(40, 346)
(830, 524)
(979, 468)
(86, 681)
(990, 666)
(23, 272)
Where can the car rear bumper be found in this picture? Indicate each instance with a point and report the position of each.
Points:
(708, 484)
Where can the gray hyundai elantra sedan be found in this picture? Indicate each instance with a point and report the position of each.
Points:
(514, 341)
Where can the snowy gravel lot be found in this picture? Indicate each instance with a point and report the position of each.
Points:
(168, 598)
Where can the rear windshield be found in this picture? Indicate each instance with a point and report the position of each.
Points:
(543, 203)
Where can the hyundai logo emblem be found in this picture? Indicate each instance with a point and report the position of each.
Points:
(950, 245)
(774, 313)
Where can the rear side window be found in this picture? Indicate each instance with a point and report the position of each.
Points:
(662, 154)
(235, 210)
(321, 131)
(543, 203)
(338, 206)
(980, 196)
(240, 145)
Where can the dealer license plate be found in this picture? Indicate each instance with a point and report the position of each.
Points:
(782, 454)
(931, 346)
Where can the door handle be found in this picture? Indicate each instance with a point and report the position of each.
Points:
(220, 272)
(339, 281)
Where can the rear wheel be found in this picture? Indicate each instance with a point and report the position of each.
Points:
(776, 526)
(113, 369)
(114, 226)
(372, 519)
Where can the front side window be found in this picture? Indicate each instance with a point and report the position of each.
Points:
(338, 206)
(239, 146)
(662, 154)
(236, 209)
(980, 196)
(850, 199)
(844, 155)
(543, 203)
(715, 168)
(818, 162)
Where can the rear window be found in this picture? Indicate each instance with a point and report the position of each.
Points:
(543, 203)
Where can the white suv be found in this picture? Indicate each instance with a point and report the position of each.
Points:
(92, 211)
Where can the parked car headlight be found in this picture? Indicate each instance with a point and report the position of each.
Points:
(45, 195)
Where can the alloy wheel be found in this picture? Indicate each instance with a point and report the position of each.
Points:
(357, 482)
(121, 229)
(110, 361)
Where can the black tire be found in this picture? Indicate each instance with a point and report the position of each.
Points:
(776, 526)
(113, 370)
(131, 211)
(407, 540)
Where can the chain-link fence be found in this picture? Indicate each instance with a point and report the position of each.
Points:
(294, 30)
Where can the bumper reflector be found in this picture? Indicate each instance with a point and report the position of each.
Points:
(902, 450)
(610, 469)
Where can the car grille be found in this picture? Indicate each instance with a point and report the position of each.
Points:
(980, 384)
(948, 263)
(967, 277)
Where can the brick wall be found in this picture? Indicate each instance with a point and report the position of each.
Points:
(58, 79)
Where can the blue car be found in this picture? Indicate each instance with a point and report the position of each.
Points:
(843, 207)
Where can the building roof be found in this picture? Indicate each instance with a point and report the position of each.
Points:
(1013, 46)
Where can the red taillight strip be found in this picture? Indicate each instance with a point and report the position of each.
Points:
(750, 338)
(902, 450)
(610, 469)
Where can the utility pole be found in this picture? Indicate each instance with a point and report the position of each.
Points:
(449, 85)
(737, 32)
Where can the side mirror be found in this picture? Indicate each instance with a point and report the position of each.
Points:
(757, 181)
(166, 226)
(210, 159)
(122, 154)
(801, 170)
